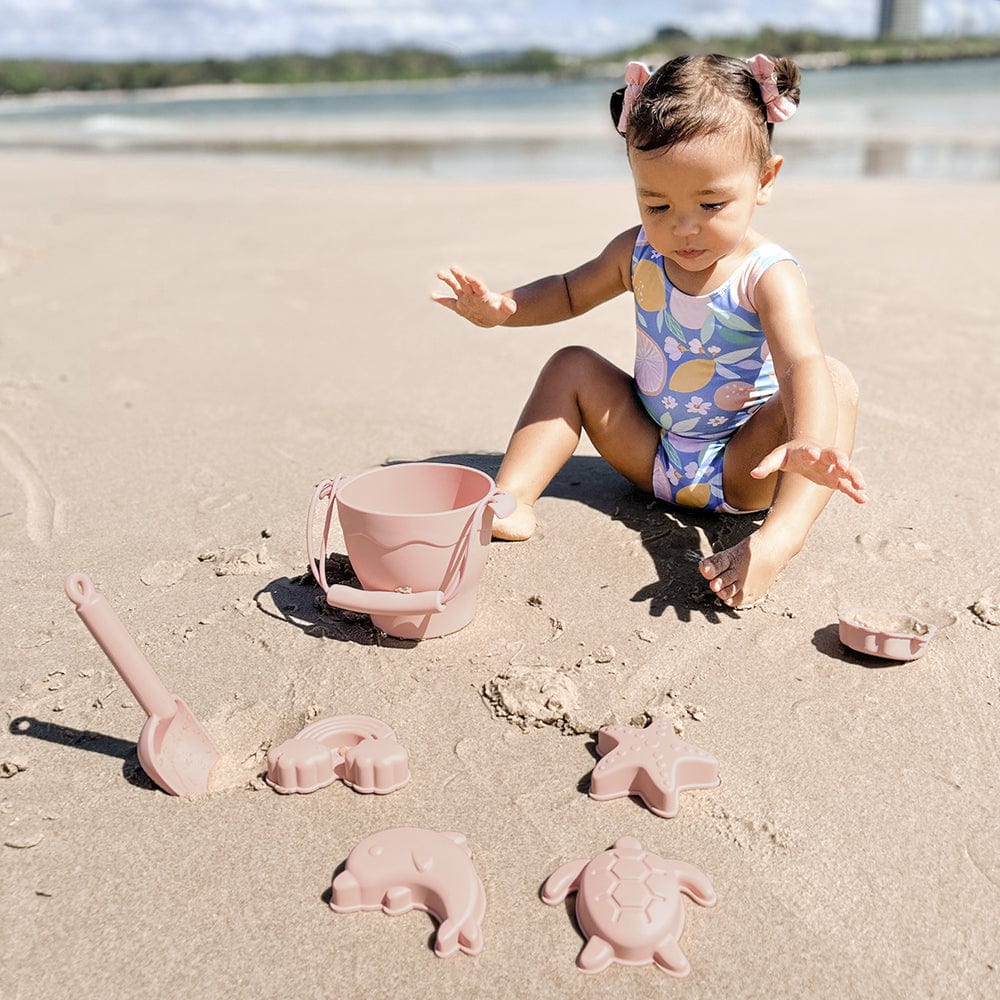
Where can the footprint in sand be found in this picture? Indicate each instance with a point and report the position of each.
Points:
(213, 492)
(940, 616)
(903, 546)
(163, 573)
(751, 834)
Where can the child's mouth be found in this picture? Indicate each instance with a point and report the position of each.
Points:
(690, 253)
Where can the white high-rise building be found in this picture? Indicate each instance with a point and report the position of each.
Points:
(899, 19)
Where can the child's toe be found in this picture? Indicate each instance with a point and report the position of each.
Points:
(715, 565)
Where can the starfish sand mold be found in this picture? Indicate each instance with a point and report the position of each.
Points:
(652, 763)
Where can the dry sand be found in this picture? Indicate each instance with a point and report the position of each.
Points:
(189, 345)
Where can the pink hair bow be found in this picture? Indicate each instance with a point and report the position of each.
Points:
(779, 108)
(636, 75)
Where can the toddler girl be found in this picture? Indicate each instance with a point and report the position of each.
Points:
(732, 405)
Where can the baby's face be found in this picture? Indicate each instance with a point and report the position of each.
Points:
(697, 199)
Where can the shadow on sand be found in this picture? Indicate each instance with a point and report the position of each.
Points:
(85, 739)
(672, 537)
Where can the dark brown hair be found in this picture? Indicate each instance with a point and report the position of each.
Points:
(693, 96)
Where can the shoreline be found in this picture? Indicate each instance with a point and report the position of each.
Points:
(900, 53)
(961, 159)
(237, 90)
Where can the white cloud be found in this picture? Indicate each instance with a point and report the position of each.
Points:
(124, 29)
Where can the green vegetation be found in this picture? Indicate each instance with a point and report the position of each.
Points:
(29, 76)
(671, 41)
(34, 75)
(927, 49)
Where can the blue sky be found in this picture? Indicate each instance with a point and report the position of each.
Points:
(125, 29)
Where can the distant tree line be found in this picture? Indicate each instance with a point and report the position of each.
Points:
(33, 75)
(676, 41)
(29, 76)
(672, 41)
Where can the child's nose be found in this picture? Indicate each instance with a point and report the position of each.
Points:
(685, 225)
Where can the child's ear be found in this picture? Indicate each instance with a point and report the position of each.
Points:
(767, 178)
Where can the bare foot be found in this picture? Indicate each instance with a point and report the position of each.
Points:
(741, 575)
(516, 527)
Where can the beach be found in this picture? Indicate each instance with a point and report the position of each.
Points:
(191, 343)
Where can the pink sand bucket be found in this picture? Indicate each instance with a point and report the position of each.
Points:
(417, 537)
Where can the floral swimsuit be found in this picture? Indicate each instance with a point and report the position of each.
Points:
(702, 368)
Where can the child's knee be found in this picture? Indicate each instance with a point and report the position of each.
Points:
(568, 363)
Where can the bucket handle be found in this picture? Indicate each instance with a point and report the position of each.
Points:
(390, 602)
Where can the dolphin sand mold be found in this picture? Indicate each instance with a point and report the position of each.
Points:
(408, 868)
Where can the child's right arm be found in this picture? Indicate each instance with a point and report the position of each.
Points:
(547, 300)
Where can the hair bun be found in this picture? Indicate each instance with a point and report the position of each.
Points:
(788, 78)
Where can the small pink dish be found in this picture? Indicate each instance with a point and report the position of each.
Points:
(408, 868)
(892, 635)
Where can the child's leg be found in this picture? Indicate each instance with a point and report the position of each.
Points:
(744, 573)
(577, 389)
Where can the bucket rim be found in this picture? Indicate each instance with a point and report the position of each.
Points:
(488, 479)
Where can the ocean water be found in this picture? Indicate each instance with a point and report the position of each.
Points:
(926, 120)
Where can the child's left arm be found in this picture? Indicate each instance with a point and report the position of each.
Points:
(805, 385)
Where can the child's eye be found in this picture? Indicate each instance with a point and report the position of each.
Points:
(657, 209)
(714, 206)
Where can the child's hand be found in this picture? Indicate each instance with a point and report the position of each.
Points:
(474, 300)
(827, 466)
